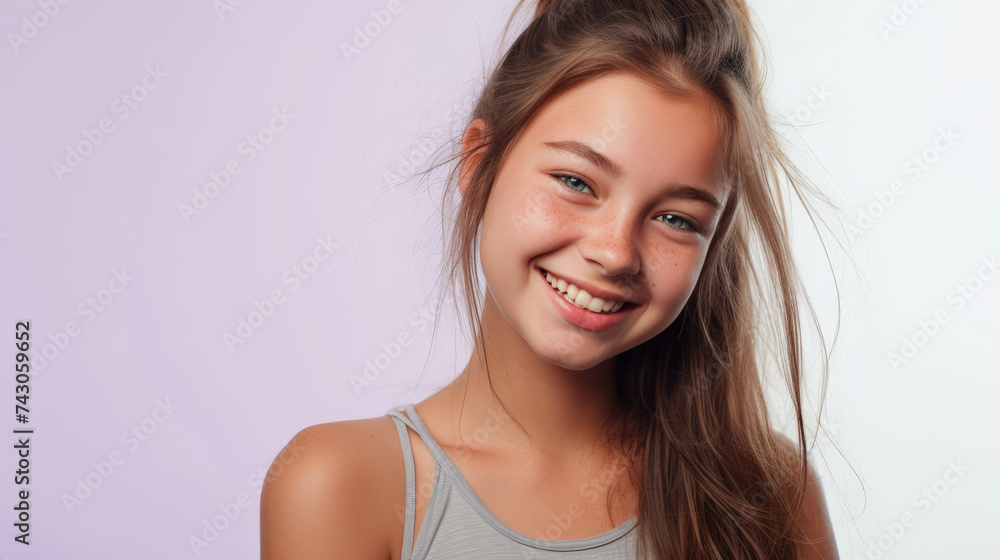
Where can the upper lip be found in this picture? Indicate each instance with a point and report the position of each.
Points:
(590, 288)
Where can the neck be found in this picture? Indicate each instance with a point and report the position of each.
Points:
(565, 413)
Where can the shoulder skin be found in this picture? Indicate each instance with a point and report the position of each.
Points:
(814, 531)
(326, 494)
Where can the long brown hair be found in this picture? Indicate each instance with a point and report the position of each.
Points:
(715, 479)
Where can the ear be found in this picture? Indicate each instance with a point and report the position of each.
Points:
(474, 137)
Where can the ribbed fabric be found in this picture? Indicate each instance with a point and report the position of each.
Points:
(457, 526)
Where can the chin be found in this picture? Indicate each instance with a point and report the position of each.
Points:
(567, 355)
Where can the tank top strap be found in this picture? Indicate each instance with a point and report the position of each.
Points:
(469, 516)
(440, 457)
(402, 422)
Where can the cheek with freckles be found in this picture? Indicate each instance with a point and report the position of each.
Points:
(534, 212)
(672, 265)
(671, 275)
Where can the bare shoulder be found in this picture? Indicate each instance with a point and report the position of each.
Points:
(814, 529)
(326, 494)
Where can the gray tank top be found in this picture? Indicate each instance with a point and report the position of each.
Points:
(457, 526)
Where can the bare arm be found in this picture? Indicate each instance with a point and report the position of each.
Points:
(814, 531)
(316, 501)
(818, 542)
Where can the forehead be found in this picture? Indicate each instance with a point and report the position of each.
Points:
(652, 135)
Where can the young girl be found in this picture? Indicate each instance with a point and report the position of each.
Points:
(619, 178)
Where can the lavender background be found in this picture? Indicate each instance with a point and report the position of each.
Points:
(145, 376)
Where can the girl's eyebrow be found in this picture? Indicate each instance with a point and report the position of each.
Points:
(586, 152)
(612, 168)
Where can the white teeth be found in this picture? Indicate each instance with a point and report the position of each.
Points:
(581, 298)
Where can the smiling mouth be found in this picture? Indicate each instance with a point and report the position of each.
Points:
(583, 299)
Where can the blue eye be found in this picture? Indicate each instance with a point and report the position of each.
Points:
(573, 178)
(673, 220)
(679, 222)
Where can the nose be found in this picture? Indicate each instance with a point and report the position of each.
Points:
(612, 243)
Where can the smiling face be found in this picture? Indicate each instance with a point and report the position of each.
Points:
(612, 189)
